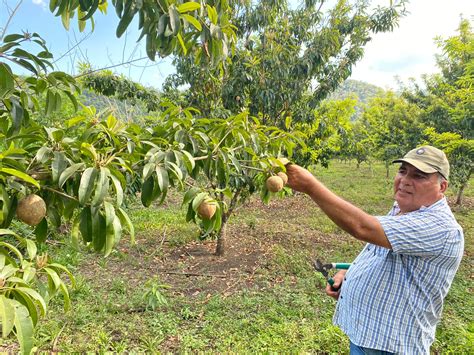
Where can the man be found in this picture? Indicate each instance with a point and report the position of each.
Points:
(391, 297)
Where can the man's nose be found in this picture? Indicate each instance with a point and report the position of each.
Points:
(406, 180)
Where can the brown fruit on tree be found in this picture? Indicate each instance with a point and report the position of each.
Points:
(274, 183)
(284, 177)
(31, 209)
(206, 210)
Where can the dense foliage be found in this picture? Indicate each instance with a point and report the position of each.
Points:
(285, 57)
(249, 65)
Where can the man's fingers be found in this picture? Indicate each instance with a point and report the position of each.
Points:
(330, 292)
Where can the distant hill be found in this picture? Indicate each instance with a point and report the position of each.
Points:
(364, 92)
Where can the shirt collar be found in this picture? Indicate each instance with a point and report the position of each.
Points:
(440, 203)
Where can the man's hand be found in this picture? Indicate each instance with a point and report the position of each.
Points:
(338, 280)
(299, 179)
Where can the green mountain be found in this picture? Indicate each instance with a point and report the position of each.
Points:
(362, 90)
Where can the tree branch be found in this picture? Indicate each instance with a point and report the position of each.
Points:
(10, 19)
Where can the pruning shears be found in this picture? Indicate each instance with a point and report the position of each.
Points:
(324, 268)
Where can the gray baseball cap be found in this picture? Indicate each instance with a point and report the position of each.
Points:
(427, 159)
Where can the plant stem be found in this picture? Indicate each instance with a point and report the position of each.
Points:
(9, 19)
(252, 168)
(59, 193)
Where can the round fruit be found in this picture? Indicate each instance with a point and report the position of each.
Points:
(31, 209)
(284, 177)
(274, 183)
(206, 210)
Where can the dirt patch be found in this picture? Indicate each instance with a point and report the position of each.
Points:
(193, 269)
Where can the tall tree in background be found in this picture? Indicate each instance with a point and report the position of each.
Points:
(447, 103)
(284, 53)
(394, 125)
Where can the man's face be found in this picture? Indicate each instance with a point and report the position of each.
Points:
(414, 188)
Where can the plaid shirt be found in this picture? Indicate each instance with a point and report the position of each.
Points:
(391, 300)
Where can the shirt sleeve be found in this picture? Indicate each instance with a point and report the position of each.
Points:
(416, 233)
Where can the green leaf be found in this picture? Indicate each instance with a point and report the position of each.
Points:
(87, 185)
(59, 164)
(181, 42)
(98, 231)
(6, 47)
(67, 173)
(198, 199)
(92, 10)
(218, 218)
(162, 22)
(17, 113)
(162, 179)
(7, 314)
(148, 170)
(43, 154)
(124, 22)
(53, 278)
(29, 274)
(31, 248)
(13, 37)
(190, 214)
(65, 293)
(6, 79)
(147, 192)
(41, 231)
(65, 18)
(53, 102)
(109, 228)
(59, 267)
(85, 224)
(193, 22)
(118, 189)
(89, 150)
(188, 161)
(13, 249)
(188, 6)
(126, 221)
(117, 229)
(75, 120)
(190, 194)
(23, 328)
(175, 21)
(35, 296)
(75, 231)
(73, 99)
(26, 300)
(101, 187)
(20, 175)
(212, 13)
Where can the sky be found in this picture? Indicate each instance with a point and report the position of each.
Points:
(407, 52)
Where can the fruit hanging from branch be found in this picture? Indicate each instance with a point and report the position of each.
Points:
(274, 183)
(31, 209)
(206, 210)
(284, 177)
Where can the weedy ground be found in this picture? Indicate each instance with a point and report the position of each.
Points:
(170, 293)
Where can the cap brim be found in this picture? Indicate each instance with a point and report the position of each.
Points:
(426, 168)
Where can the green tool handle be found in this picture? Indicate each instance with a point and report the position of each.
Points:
(331, 283)
(342, 266)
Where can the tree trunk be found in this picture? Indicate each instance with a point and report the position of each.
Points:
(221, 237)
(461, 189)
(460, 195)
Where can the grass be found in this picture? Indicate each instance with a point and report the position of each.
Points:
(278, 307)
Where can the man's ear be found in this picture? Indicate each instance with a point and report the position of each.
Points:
(443, 186)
